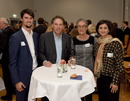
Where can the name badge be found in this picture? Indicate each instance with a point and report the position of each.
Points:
(23, 44)
(109, 54)
(87, 45)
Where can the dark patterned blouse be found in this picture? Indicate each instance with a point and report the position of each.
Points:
(112, 60)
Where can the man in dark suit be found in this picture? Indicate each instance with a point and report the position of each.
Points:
(126, 33)
(117, 32)
(41, 28)
(23, 51)
(4, 51)
(55, 45)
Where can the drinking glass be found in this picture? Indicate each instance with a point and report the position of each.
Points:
(59, 71)
(73, 63)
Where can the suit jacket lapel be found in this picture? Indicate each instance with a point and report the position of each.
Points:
(63, 44)
(52, 41)
(35, 44)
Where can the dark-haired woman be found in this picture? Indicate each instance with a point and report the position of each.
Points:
(108, 63)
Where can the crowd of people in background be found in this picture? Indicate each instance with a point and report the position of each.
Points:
(101, 48)
(41, 26)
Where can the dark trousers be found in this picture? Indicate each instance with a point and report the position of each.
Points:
(88, 98)
(44, 99)
(22, 96)
(104, 90)
(10, 89)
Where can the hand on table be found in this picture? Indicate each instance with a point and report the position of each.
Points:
(47, 64)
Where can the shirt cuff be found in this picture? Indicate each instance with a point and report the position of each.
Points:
(44, 61)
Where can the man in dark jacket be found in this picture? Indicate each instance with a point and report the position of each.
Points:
(23, 50)
(4, 50)
(41, 28)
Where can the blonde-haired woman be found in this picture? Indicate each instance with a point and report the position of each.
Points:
(92, 31)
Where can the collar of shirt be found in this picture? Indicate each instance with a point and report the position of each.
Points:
(56, 36)
(26, 33)
(58, 44)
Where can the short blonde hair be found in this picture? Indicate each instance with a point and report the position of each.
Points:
(92, 28)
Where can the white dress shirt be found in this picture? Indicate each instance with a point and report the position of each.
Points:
(29, 38)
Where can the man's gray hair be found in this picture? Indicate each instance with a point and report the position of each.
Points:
(4, 20)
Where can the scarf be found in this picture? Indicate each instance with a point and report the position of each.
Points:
(98, 67)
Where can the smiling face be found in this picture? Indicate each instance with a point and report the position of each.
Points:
(103, 30)
(58, 26)
(81, 27)
(27, 20)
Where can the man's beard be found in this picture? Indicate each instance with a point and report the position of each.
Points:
(28, 26)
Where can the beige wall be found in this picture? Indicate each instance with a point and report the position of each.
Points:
(75, 9)
(71, 10)
(10, 7)
(128, 11)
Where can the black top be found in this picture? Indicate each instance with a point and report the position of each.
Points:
(80, 42)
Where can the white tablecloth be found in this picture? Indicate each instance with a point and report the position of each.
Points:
(44, 82)
(1, 84)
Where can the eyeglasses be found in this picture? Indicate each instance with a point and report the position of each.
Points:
(84, 26)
